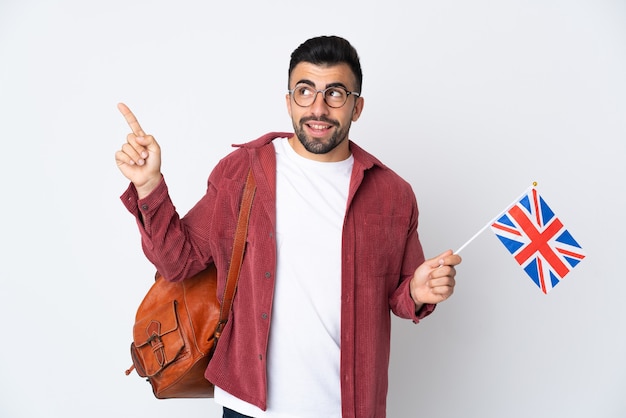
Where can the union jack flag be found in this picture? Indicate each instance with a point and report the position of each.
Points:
(538, 241)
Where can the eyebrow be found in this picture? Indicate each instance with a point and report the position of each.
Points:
(312, 84)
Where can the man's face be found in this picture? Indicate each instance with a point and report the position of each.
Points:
(321, 130)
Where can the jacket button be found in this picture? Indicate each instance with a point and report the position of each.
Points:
(144, 207)
(268, 274)
(264, 315)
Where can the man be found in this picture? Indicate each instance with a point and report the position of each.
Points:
(332, 248)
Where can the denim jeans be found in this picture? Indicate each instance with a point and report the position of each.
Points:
(229, 413)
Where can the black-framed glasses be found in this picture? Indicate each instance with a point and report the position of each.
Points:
(305, 95)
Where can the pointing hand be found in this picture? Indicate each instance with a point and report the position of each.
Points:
(139, 159)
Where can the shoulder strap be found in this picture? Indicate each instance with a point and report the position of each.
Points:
(237, 256)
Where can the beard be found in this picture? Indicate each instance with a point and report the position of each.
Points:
(316, 145)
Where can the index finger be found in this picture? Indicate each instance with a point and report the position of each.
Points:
(131, 119)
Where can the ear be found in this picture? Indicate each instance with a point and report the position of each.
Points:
(288, 102)
(358, 108)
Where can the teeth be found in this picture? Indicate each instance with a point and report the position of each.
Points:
(318, 126)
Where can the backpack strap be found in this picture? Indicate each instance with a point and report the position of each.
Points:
(237, 257)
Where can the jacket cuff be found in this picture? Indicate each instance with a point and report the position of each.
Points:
(134, 205)
(425, 310)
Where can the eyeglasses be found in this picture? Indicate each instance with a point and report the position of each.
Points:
(304, 95)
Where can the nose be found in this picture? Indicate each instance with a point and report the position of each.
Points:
(319, 107)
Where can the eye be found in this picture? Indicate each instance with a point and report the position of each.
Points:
(335, 93)
(303, 90)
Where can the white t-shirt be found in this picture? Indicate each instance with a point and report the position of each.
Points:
(304, 344)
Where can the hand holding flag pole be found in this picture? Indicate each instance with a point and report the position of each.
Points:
(536, 238)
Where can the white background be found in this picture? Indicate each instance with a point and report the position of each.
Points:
(470, 101)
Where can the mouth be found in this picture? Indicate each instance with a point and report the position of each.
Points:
(320, 127)
(317, 127)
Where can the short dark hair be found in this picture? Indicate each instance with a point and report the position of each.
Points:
(328, 50)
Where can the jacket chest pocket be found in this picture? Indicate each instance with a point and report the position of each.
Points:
(380, 243)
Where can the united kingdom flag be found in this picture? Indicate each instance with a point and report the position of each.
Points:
(538, 241)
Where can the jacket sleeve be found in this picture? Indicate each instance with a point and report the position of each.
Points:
(177, 248)
(401, 302)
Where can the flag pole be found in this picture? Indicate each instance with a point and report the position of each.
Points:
(495, 218)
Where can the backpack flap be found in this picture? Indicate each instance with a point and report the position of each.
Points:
(157, 340)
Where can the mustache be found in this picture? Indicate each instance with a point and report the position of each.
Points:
(319, 119)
